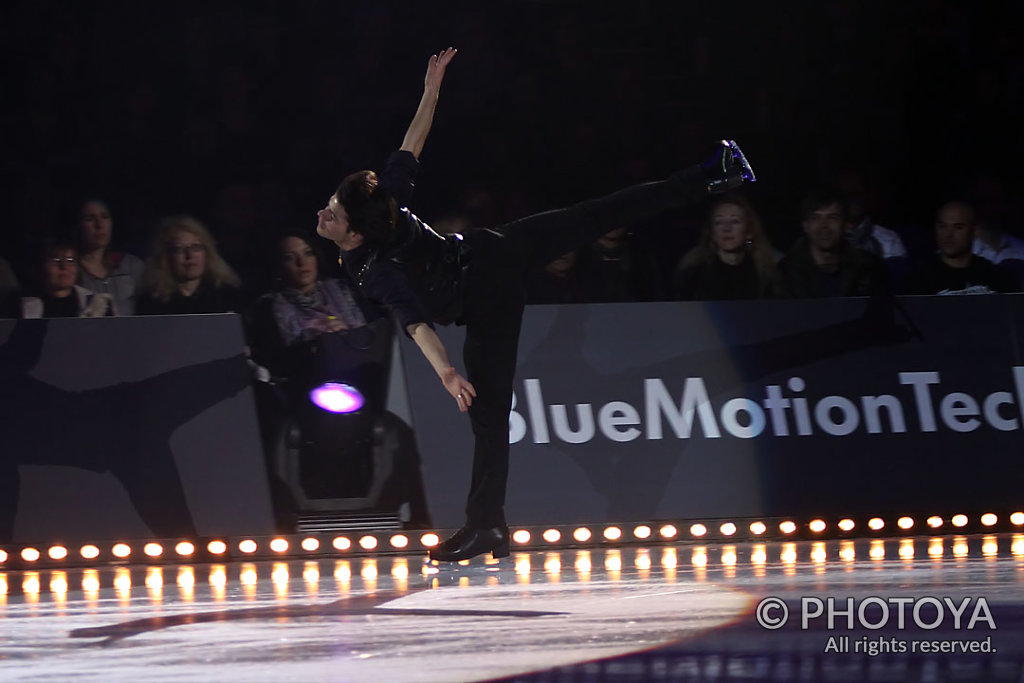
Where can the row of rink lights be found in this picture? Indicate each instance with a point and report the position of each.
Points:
(247, 547)
(701, 558)
(582, 535)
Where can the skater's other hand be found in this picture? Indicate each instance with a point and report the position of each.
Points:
(460, 389)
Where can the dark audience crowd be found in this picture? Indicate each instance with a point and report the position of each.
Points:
(840, 252)
(166, 161)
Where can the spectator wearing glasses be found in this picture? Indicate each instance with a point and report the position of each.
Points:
(58, 295)
(185, 273)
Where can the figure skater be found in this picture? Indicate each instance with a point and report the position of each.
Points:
(424, 279)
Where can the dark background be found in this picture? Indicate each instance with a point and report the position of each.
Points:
(247, 114)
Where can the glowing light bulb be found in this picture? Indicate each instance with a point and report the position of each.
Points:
(343, 543)
(336, 397)
(581, 535)
(612, 533)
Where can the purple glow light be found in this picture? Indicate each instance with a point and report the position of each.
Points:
(335, 397)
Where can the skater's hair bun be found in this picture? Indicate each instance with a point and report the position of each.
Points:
(371, 209)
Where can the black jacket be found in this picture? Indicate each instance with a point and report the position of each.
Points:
(859, 274)
(418, 275)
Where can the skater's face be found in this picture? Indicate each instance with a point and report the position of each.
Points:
(96, 226)
(729, 228)
(824, 227)
(298, 261)
(332, 223)
(188, 256)
(954, 230)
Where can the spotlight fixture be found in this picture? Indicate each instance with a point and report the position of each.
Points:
(336, 397)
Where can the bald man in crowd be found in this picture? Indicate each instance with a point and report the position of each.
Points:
(954, 269)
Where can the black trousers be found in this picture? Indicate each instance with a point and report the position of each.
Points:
(494, 300)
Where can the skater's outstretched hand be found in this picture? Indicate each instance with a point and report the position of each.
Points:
(435, 69)
(416, 136)
(460, 388)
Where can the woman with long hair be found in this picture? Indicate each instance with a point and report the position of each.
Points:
(185, 273)
(479, 280)
(733, 259)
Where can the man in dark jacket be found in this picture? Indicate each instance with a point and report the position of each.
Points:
(822, 263)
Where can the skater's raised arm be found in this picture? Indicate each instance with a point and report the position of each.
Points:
(433, 349)
(416, 136)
